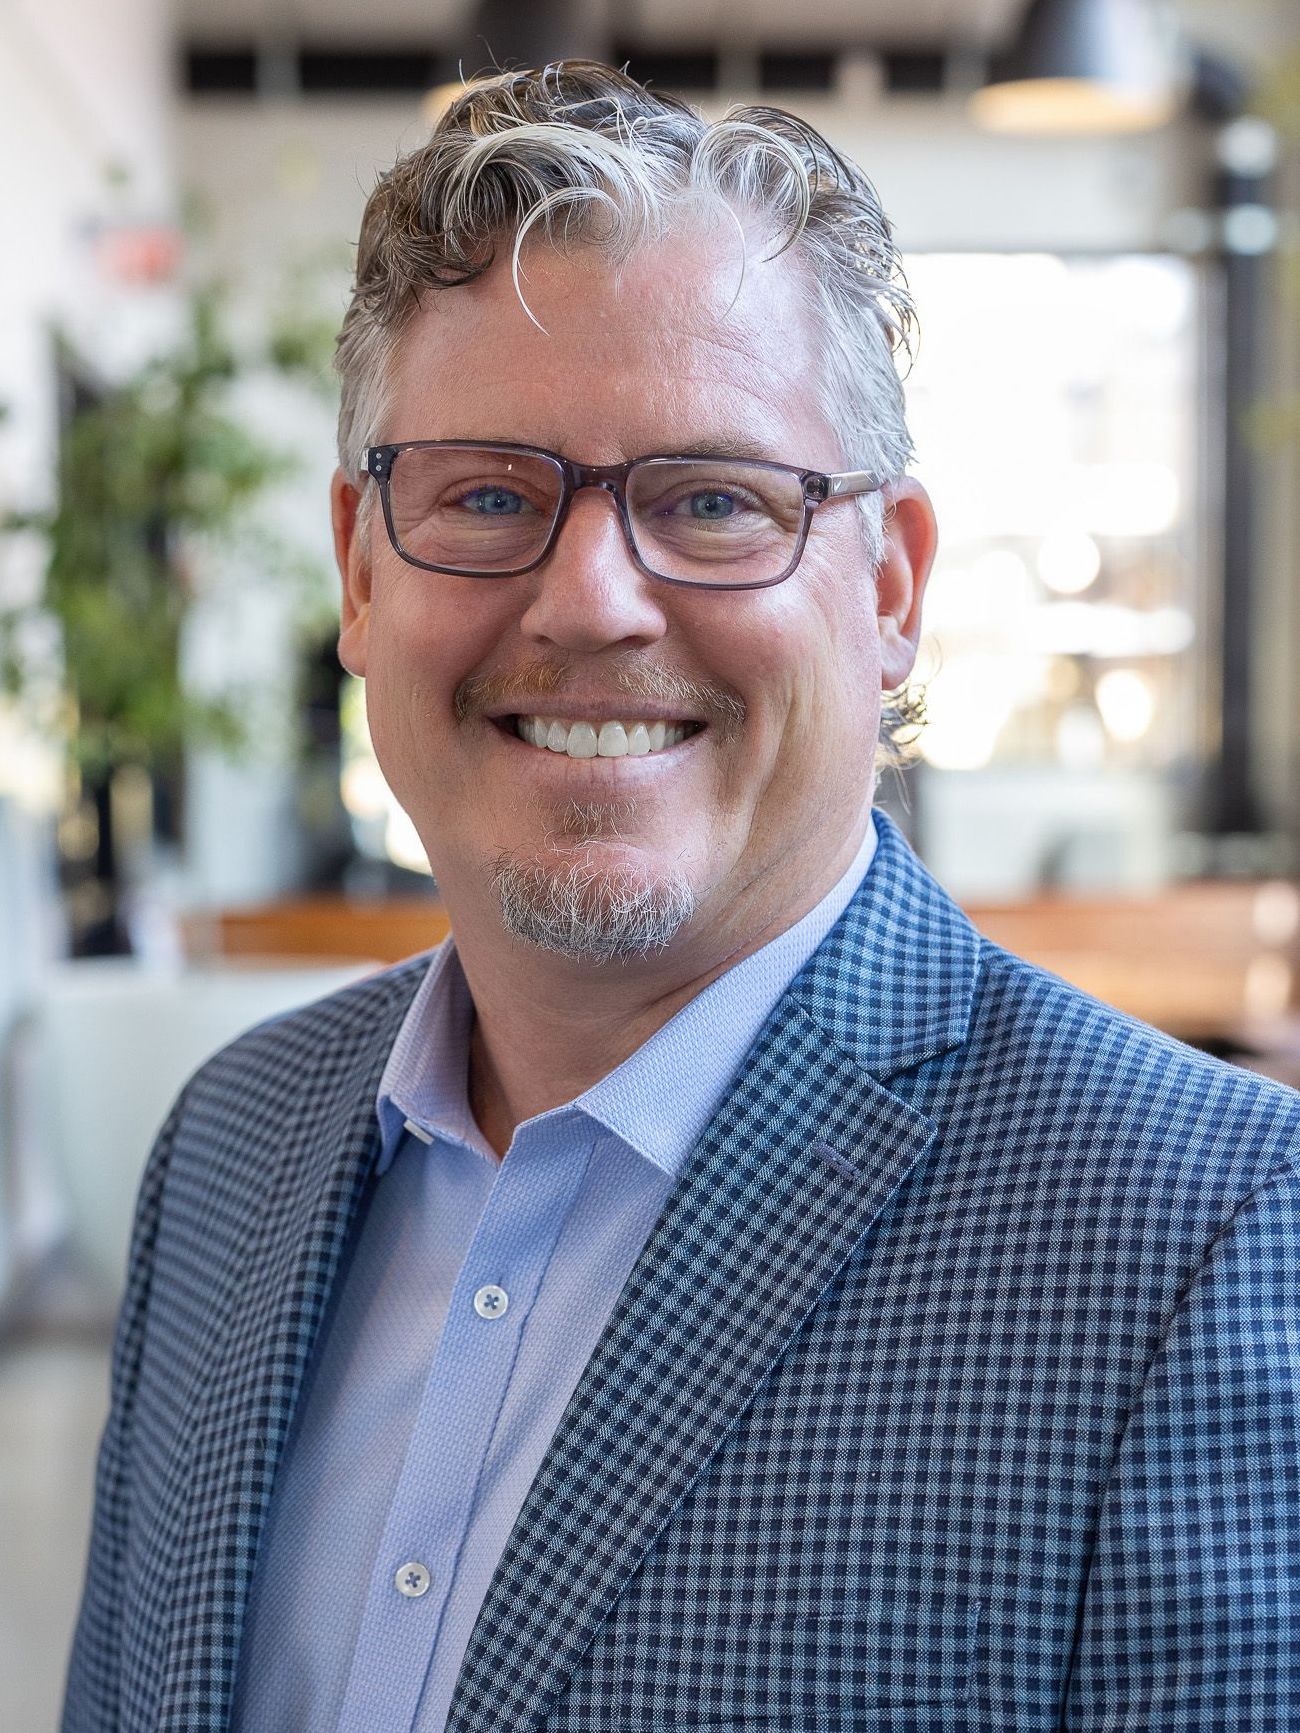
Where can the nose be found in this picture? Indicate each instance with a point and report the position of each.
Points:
(589, 594)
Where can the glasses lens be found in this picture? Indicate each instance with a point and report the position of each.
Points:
(715, 522)
(473, 509)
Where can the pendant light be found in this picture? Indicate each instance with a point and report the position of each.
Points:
(1086, 66)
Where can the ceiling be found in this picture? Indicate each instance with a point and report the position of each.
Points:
(663, 23)
(1252, 33)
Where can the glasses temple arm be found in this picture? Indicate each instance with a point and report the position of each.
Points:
(853, 481)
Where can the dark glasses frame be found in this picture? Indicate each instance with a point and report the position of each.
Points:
(817, 488)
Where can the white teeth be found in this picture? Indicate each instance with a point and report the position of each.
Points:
(606, 740)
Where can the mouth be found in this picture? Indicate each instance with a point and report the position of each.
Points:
(598, 738)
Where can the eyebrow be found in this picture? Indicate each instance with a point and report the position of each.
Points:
(722, 447)
(726, 448)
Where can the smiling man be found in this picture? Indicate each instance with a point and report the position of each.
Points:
(716, 1288)
(624, 659)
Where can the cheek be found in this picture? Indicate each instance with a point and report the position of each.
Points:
(414, 663)
(824, 683)
(427, 636)
(396, 738)
(818, 663)
(784, 670)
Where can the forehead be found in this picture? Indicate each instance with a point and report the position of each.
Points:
(683, 339)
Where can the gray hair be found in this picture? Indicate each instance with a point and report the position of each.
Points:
(590, 912)
(583, 155)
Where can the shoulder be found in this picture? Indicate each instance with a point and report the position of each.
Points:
(1070, 1069)
(308, 1048)
(282, 1115)
(1035, 1088)
(1087, 1163)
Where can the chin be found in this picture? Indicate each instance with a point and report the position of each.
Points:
(592, 903)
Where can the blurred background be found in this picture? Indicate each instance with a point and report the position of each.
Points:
(1098, 203)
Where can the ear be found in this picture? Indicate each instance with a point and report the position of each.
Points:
(352, 551)
(911, 536)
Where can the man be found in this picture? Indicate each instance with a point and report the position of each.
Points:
(719, 1289)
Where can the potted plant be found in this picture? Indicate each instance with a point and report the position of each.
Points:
(151, 469)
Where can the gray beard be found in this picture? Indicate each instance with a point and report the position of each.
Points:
(590, 912)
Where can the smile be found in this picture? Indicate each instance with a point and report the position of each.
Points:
(612, 739)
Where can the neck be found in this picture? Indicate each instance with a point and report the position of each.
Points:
(542, 1036)
(547, 1028)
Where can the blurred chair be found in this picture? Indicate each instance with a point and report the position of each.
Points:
(1214, 962)
(319, 927)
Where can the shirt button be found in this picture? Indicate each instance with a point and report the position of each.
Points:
(413, 1580)
(491, 1301)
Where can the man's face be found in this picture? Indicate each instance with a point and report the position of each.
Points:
(745, 822)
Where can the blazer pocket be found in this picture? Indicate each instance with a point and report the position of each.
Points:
(876, 1659)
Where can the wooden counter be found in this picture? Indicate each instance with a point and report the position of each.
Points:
(1198, 960)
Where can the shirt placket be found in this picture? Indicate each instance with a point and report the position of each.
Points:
(413, 1574)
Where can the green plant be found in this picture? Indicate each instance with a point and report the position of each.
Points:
(149, 472)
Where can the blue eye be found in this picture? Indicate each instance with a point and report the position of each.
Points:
(712, 505)
(494, 501)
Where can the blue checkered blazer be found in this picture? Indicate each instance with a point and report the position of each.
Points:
(956, 1386)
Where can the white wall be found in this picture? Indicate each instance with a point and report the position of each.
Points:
(85, 85)
(84, 91)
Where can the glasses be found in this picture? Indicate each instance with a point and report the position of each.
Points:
(493, 510)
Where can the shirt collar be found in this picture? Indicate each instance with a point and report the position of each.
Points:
(660, 1099)
(424, 1085)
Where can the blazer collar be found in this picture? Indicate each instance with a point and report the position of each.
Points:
(894, 982)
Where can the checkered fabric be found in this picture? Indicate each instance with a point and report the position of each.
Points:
(956, 1386)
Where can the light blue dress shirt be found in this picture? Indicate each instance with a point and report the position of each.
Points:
(471, 1297)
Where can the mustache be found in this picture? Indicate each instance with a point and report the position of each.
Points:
(633, 679)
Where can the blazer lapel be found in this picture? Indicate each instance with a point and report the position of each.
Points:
(322, 1155)
(803, 1155)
